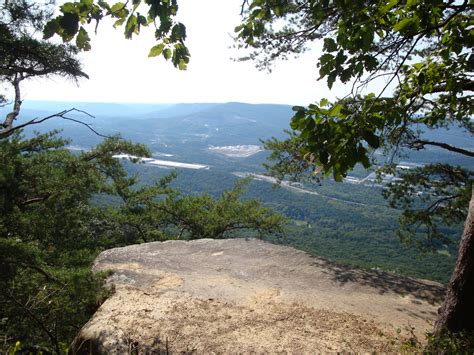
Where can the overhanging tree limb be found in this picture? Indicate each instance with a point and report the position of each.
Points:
(420, 143)
(428, 45)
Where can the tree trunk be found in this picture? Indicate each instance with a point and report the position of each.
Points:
(457, 312)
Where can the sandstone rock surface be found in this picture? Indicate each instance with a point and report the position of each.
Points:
(246, 295)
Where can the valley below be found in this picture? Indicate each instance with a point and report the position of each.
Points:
(211, 146)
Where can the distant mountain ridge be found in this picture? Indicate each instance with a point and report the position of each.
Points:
(194, 126)
(167, 125)
(200, 133)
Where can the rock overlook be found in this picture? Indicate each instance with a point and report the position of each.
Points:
(247, 295)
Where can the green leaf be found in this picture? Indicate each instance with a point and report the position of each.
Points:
(83, 40)
(324, 157)
(370, 62)
(119, 22)
(365, 161)
(182, 65)
(178, 32)
(298, 108)
(403, 24)
(87, 3)
(156, 50)
(239, 28)
(331, 79)
(389, 5)
(103, 4)
(69, 7)
(371, 139)
(367, 38)
(135, 3)
(310, 124)
(299, 117)
(329, 45)
(325, 58)
(117, 7)
(335, 110)
(131, 27)
(167, 53)
(338, 177)
(346, 75)
(70, 25)
(50, 28)
(341, 57)
(142, 21)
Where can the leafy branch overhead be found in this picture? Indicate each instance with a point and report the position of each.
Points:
(23, 56)
(416, 56)
(132, 16)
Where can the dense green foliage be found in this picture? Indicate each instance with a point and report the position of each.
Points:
(49, 235)
(157, 211)
(422, 49)
(50, 231)
(170, 34)
(23, 56)
(52, 225)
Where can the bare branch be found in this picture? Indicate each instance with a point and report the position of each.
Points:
(242, 7)
(466, 85)
(420, 144)
(63, 114)
(408, 53)
(438, 202)
(34, 200)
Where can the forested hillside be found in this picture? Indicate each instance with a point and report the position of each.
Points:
(349, 222)
(77, 178)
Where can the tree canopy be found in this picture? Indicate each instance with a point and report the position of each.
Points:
(170, 34)
(408, 65)
(416, 57)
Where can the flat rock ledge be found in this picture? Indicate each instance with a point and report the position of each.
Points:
(247, 295)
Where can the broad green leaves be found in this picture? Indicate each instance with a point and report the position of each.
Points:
(83, 40)
(362, 42)
(156, 50)
(330, 139)
(169, 34)
(406, 25)
(167, 53)
(417, 57)
(330, 45)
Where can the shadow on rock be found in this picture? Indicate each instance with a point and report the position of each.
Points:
(386, 282)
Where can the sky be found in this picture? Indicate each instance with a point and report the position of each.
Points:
(120, 70)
